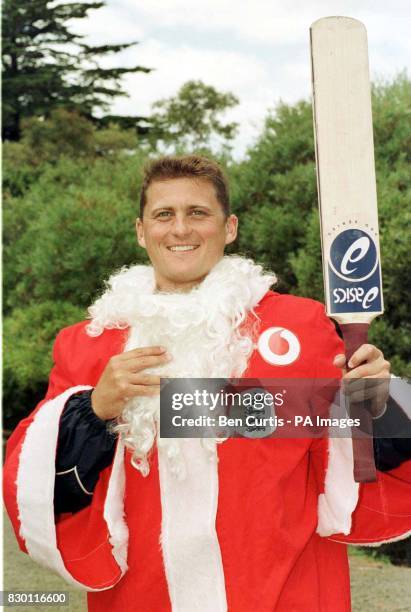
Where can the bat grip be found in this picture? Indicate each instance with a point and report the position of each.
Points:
(354, 335)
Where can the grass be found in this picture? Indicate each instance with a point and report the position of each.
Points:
(376, 584)
(355, 551)
(21, 573)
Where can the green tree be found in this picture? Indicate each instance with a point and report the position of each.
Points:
(67, 133)
(28, 339)
(275, 190)
(192, 119)
(46, 65)
(63, 134)
(275, 195)
(68, 219)
(72, 228)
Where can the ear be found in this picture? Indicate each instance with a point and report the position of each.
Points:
(140, 233)
(231, 229)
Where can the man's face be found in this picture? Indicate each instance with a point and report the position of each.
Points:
(184, 231)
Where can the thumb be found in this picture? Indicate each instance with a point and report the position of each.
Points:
(339, 361)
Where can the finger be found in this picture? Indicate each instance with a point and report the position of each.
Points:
(352, 385)
(143, 351)
(376, 398)
(142, 390)
(143, 379)
(372, 402)
(366, 352)
(375, 393)
(141, 363)
(339, 361)
(368, 369)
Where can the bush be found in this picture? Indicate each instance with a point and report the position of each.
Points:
(399, 553)
(71, 230)
(29, 333)
(71, 198)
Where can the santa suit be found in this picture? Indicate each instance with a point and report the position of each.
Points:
(252, 524)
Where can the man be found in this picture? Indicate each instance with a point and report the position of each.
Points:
(150, 524)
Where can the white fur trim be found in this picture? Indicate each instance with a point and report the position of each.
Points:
(340, 497)
(190, 545)
(35, 487)
(114, 509)
(373, 544)
(202, 330)
(233, 287)
(207, 331)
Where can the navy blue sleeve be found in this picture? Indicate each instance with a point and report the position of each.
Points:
(392, 438)
(85, 447)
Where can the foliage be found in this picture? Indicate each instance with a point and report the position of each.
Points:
(64, 234)
(29, 333)
(66, 133)
(398, 553)
(71, 229)
(20, 169)
(392, 333)
(71, 198)
(391, 116)
(191, 119)
(47, 66)
(275, 190)
(63, 134)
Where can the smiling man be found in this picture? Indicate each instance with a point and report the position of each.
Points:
(148, 524)
(184, 227)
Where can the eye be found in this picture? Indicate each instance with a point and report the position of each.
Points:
(198, 212)
(163, 214)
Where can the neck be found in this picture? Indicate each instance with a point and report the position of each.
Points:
(168, 286)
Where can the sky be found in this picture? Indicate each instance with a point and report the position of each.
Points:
(258, 50)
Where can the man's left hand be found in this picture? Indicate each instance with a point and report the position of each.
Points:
(368, 377)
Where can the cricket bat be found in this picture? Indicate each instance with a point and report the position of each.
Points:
(347, 194)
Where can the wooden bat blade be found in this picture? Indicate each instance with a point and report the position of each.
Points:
(345, 169)
(347, 195)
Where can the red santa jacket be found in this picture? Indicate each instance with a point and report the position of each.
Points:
(270, 532)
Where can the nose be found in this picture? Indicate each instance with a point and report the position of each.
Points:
(181, 226)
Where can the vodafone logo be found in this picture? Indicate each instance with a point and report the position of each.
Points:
(278, 346)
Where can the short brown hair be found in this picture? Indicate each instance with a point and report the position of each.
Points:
(187, 166)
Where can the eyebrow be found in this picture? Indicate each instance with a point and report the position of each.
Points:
(162, 208)
(172, 207)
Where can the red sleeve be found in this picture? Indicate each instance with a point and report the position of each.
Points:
(383, 513)
(59, 381)
(383, 510)
(89, 561)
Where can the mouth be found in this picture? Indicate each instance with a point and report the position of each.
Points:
(182, 248)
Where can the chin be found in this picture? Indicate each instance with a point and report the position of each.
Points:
(188, 272)
(186, 275)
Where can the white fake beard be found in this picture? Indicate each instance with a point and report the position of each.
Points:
(204, 331)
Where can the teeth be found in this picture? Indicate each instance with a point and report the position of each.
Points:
(182, 248)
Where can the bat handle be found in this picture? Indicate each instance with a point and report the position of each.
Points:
(354, 335)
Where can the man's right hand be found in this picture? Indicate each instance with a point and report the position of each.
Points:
(124, 378)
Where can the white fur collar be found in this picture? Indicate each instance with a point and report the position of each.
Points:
(235, 284)
(206, 331)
